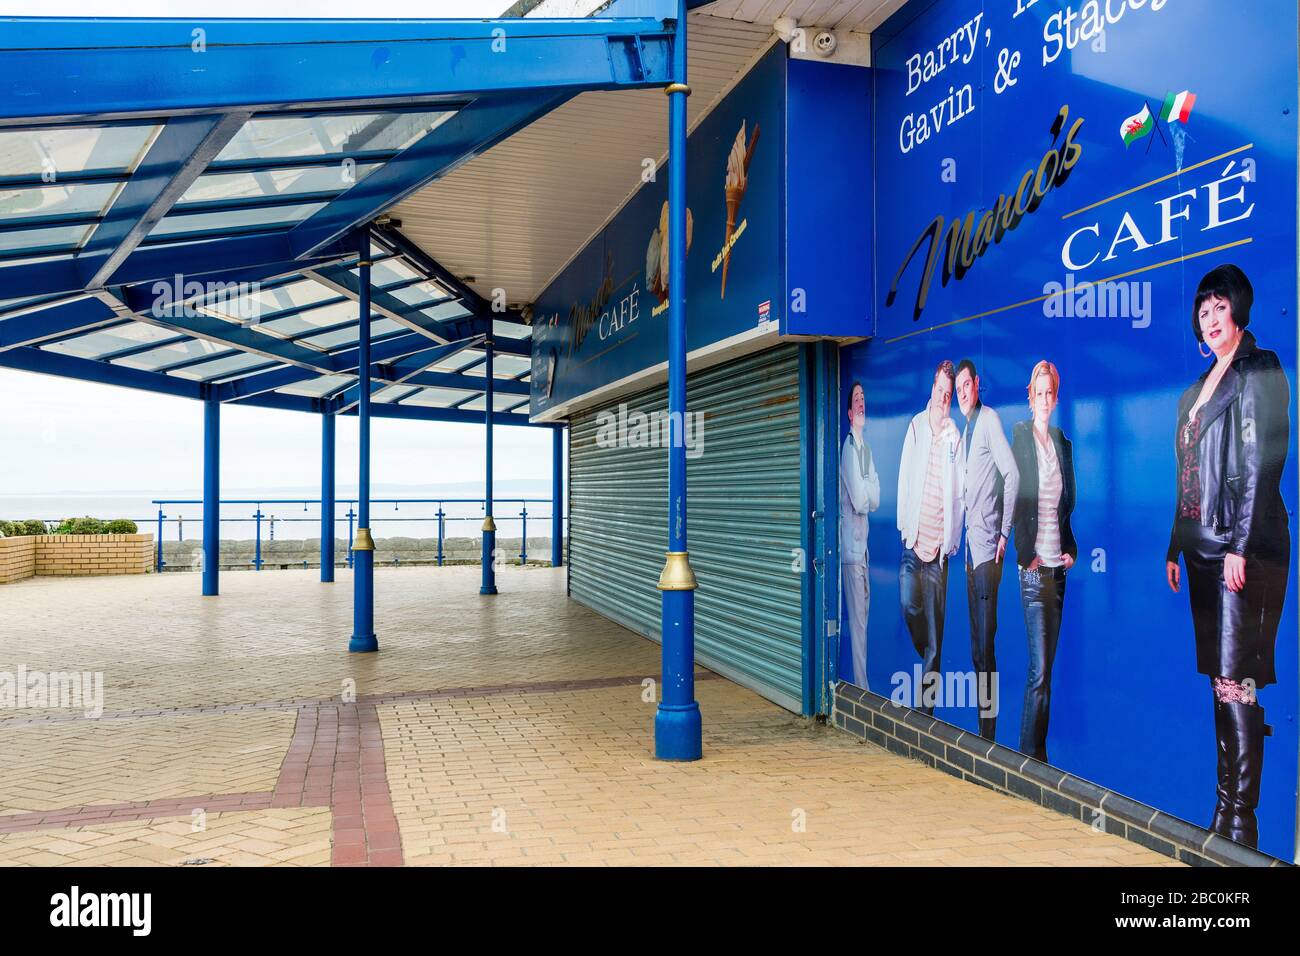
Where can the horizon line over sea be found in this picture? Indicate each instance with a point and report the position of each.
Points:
(298, 519)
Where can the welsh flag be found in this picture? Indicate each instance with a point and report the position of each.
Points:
(1136, 126)
(1178, 106)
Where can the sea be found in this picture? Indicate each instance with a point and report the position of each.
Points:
(294, 513)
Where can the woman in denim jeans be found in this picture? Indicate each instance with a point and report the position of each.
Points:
(1045, 546)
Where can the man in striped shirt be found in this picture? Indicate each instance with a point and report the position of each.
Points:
(930, 514)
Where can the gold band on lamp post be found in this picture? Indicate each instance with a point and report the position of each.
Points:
(363, 541)
(489, 524)
(672, 88)
(677, 574)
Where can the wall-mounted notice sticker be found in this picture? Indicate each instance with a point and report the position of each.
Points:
(764, 312)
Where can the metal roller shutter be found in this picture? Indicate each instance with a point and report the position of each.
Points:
(743, 499)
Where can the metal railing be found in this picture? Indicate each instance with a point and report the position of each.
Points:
(259, 517)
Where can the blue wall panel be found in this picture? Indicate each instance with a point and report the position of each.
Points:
(1129, 709)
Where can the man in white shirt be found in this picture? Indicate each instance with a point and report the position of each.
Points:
(859, 496)
(930, 513)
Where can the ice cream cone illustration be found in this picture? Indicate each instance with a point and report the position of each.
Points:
(737, 182)
(657, 258)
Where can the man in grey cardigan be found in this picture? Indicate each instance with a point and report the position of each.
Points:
(989, 494)
(859, 495)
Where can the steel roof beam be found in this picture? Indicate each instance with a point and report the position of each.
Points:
(182, 318)
(175, 160)
(424, 413)
(79, 68)
(55, 322)
(30, 359)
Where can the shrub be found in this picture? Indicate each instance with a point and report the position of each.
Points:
(86, 525)
(16, 529)
(121, 526)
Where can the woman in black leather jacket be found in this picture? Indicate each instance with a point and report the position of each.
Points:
(1230, 526)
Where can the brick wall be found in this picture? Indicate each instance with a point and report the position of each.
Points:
(75, 555)
(17, 559)
(967, 756)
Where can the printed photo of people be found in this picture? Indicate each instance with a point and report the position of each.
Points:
(859, 496)
(1230, 530)
(930, 522)
(1045, 545)
(990, 482)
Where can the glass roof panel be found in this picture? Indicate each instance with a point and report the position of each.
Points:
(98, 344)
(436, 397)
(45, 237)
(318, 387)
(78, 199)
(171, 354)
(290, 137)
(503, 366)
(219, 368)
(421, 294)
(292, 295)
(392, 393)
(390, 271)
(72, 149)
(332, 340)
(285, 181)
(499, 403)
(511, 330)
(448, 310)
(252, 217)
(459, 361)
(313, 319)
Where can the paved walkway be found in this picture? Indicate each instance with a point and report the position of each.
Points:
(514, 730)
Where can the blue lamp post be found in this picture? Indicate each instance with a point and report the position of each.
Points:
(363, 548)
(211, 498)
(557, 496)
(489, 526)
(677, 721)
(327, 498)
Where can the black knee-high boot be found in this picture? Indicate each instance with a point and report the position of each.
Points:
(1225, 746)
(1241, 730)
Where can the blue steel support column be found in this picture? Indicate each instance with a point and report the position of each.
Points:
(677, 721)
(211, 496)
(363, 550)
(327, 498)
(557, 496)
(489, 526)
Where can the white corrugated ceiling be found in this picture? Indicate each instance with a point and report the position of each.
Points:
(860, 16)
(513, 218)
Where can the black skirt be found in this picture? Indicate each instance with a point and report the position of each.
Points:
(1235, 632)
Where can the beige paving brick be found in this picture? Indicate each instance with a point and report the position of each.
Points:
(569, 775)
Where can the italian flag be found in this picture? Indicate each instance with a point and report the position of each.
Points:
(1136, 126)
(1178, 106)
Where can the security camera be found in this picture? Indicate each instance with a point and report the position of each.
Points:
(785, 27)
(824, 43)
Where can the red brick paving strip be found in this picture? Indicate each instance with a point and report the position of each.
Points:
(335, 759)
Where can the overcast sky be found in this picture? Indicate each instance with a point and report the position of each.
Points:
(61, 434)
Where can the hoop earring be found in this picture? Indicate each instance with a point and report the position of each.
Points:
(1205, 353)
